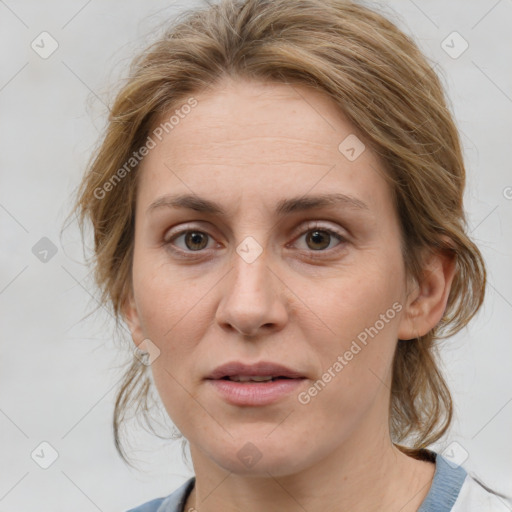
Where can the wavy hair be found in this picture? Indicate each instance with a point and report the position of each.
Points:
(386, 88)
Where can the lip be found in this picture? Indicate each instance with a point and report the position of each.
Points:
(254, 393)
(262, 368)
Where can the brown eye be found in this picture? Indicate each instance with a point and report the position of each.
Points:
(196, 240)
(189, 241)
(318, 239)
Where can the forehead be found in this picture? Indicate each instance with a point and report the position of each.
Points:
(265, 115)
(261, 140)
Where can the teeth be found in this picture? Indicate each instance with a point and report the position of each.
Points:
(246, 378)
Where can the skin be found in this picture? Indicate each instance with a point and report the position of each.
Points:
(247, 145)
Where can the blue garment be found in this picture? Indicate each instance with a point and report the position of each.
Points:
(445, 488)
(175, 502)
(444, 494)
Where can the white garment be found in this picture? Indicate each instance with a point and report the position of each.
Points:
(475, 498)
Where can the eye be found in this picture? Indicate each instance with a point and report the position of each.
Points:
(193, 240)
(187, 241)
(319, 238)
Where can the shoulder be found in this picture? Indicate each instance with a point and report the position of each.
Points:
(473, 496)
(172, 503)
(149, 506)
(454, 490)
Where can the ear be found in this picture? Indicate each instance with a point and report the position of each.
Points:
(132, 318)
(426, 300)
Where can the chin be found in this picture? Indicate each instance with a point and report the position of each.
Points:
(259, 456)
(262, 468)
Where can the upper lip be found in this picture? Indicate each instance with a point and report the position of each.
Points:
(263, 369)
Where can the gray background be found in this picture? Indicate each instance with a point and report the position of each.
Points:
(58, 372)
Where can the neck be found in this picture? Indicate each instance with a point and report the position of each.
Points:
(360, 476)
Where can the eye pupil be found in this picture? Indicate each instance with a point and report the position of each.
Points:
(195, 238)
(316, 237)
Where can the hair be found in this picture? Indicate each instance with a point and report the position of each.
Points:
(384, 86)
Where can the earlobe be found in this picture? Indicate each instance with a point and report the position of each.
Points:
(131, 317)
(427, 301)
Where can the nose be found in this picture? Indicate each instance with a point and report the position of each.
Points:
(253, 299)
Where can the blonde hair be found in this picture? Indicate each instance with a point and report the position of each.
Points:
(384, 86)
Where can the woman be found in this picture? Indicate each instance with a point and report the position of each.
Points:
(278, 217)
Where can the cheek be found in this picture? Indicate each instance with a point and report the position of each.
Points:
(172, 307)
(170, 316)
(356, 371)
(360, 314)
(346, 304)
(167, 297)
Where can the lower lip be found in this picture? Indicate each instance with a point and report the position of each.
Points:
(255, 393)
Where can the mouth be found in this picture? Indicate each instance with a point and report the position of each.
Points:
(253, 378)
(257, 384)
(263, 371)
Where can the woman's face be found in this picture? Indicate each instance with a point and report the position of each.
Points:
(268, 275)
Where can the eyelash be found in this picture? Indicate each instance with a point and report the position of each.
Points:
(169, 244)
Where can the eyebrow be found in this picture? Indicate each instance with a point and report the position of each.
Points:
(283, 207)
